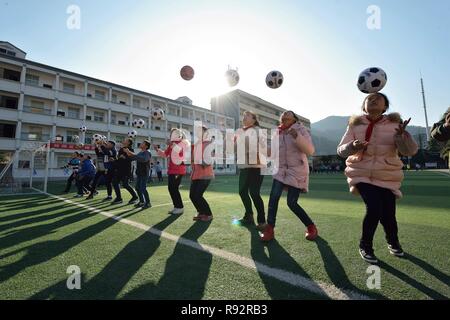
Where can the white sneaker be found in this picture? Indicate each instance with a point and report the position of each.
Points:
(171, 210)
(177, 211)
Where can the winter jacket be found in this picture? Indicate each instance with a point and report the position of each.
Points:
(441, 133)
(201, 171)
(87, 169)
(178, 167)
(379, 164)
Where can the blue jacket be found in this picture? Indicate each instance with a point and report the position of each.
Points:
(87, 168)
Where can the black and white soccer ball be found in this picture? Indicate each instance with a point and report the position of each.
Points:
(274, 79)
(75, 139)
(157, 114)
(83, 128)
(132, 134)
(97, 138)
(138, 123)
(372, 80)
(232, 77)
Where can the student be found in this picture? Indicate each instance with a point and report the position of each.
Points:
(106, 155)
(201, 177)
(441, 132)
(295, 145)
(158, 170)
(84, 175)
(176, 167)
(250, 178)
(374, 170)
(73, 164)
(142, 170)
(122, 172)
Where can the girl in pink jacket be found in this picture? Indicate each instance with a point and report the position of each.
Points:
(176, 167)
(374, 170)
(293, 173)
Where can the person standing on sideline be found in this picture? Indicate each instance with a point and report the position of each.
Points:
(142, 170)
(371, 146)
(177, 168)
(158, 170)
(250, 178)
(295, 145)
(122, 172)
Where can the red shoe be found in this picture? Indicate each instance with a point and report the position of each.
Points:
(311, 232)
(268, 233)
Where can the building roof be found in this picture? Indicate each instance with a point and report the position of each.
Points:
(9, 43)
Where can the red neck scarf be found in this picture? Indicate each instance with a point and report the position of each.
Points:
(370, 127)
(283, 127)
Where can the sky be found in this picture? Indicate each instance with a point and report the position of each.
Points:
(320, 47)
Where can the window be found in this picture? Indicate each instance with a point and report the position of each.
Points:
(32, 79)
(73, 113)
(48, 86)
(2, 51)
(37, 106)
(9, 102)
(70, 134)
(136, 103)
(157, 128)
(113, 119)
(89, 95)
(99, 95)
(11, 75)
(123, 102)
(68, 87)
(89, 118)
(114, 98)
(122, 123)
(7, 130)
(11, 53)
(99, 116)
(61, 113)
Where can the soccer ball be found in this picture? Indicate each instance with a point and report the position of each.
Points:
(372, 80)
(75, 139)
(158, 114)
(97, 138)
(187, 73)
(274, 79)
(132, 134)
(232, 77)
(138, 123)
(104, 138)
(83, 128)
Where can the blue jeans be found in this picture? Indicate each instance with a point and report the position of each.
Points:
(292, 198)
(141, 189)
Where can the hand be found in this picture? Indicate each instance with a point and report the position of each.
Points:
(447, 121)
(293, 133)
(359, 145)
(402, 127)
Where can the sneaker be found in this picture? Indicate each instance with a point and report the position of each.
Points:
(268, 233)
(139, 204)
(177, 211)
(133, 201)
(108, 198)
(311, 232)
(78, 196)
(203, 217)
(146, 206)
(368, 255)
(396, 250)
(116, 201)
(90, 196)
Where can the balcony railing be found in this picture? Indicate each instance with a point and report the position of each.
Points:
(28, 136)
(38, 110)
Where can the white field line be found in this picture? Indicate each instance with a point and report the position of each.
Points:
(288, 277)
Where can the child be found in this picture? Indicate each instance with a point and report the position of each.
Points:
(293, 174)
(176, 167)
(85, 175)
(374, 170)
(122, 172)
(142, 170)
(159, 171)
(201, 176)
(250, 178)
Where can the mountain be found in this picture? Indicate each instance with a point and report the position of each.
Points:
(327, 133)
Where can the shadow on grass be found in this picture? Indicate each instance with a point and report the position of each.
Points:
(186, 271)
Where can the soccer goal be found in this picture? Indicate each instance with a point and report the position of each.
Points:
(25, 171)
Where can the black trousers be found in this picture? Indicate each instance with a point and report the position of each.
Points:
(380, 207)
(108, 181)
(160, 177)
(173, 186)
(124, 181)
(82, 183)
(69, 182)
(198, 188)
(250, 181)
